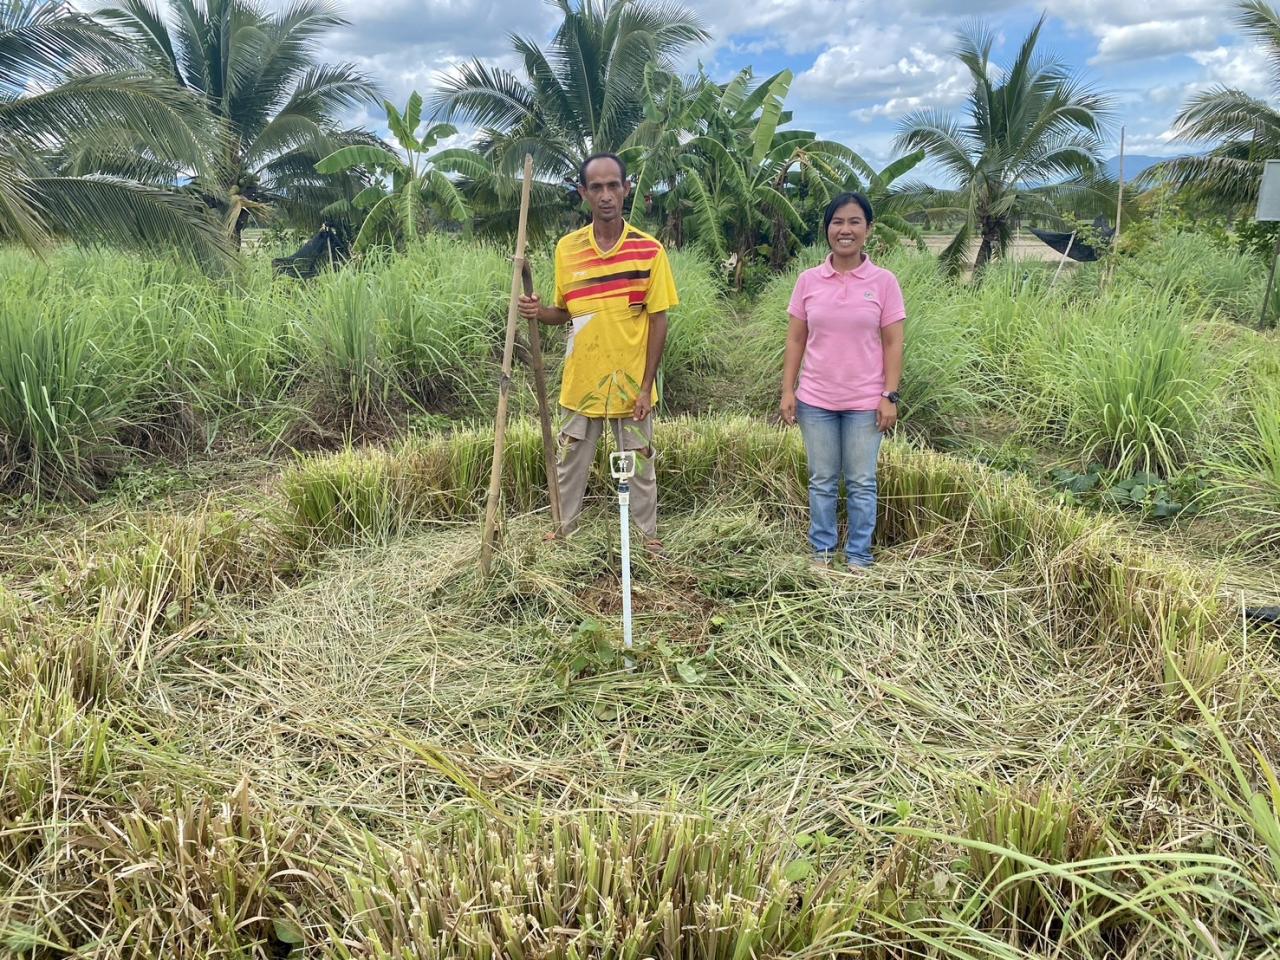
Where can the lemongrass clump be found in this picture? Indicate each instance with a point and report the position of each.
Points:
(353, 496)
(1019, 843)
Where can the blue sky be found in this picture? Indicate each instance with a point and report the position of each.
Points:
(859, 67)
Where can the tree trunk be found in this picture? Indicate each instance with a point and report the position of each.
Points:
(779, 250)
(778, 257)
(237, 230)
(675, 217)
(990, 239)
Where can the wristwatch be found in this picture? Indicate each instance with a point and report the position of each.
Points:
(891, 396)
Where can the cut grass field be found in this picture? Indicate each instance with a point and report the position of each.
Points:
(297, 722)
(259, 703)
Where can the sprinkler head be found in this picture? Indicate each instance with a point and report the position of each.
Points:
(622, 464)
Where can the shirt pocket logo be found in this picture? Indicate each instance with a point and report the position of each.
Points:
(868, 295)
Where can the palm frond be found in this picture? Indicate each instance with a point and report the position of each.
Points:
(144, 25)
(326, 91)
(43, 42)
(120, 212)
(20, 220)
(1260, 22)
(487, 96)
(165, 121)
(1220, 113)
(1227, 176)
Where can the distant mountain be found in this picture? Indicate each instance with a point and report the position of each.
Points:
(1134, 164)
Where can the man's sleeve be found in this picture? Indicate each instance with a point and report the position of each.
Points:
(662, 285)
(559, 281)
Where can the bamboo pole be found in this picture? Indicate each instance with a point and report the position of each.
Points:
(544, 408)
(504, 382)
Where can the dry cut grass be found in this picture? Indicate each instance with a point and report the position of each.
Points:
(1021, 736)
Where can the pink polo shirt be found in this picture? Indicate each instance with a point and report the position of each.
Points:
(843, 358)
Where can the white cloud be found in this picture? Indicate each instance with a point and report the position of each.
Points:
(1151, 144)
(1241, 66)
(806, 26)
(1153, 38)
(886, 73)
(1133, 30)
(1106, 14)
(470, 28)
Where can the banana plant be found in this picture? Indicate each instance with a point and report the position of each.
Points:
(406, 186)
(675, 109)
(743, 177)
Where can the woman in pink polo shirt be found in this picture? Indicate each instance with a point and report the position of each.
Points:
(846, 331)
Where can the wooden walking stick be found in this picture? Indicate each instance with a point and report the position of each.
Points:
(504, 382)
(544, 410)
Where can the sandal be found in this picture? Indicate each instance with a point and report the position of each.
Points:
(655, 547)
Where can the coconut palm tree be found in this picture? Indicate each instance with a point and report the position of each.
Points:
(256, 73)
(1245, 129)
(418, 180)
(1029, 124)
(66, 88)
(583, 95)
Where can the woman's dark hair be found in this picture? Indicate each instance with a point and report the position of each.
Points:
(842, 199)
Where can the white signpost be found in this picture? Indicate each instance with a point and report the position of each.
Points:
(1269, 211)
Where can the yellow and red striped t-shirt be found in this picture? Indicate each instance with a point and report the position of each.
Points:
(610, 296)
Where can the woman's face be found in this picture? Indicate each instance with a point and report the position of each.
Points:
(849, 230)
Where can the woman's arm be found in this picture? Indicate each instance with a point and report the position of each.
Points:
(891, 340)
(797, 336)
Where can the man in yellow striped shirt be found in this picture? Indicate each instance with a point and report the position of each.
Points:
(614, 285)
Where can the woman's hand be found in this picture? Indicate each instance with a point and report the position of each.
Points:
(886, 415)
(788, 407)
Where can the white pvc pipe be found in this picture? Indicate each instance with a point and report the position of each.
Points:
(624, 512)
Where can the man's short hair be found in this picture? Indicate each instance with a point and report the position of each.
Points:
(582, 170)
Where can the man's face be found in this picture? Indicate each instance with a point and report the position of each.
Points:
(605, 190)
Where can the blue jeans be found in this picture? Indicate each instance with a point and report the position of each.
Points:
(841, 442)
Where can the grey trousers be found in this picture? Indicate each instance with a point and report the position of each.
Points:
(579, 437)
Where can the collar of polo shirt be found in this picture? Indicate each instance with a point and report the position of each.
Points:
(861, 271)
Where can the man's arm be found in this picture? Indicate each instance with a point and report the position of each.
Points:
(531, 308)
(657, 343)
